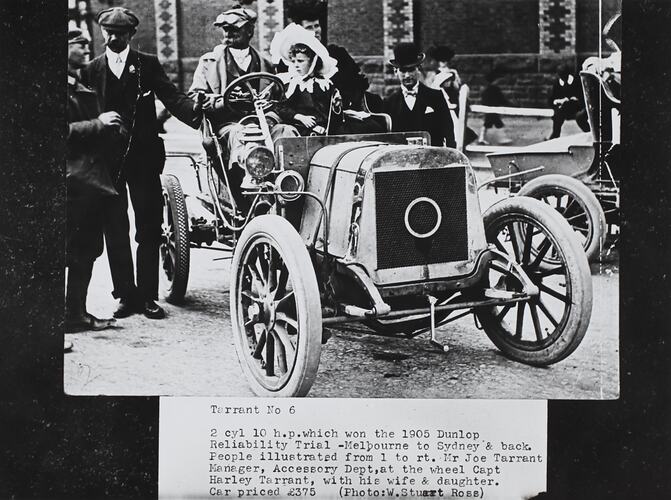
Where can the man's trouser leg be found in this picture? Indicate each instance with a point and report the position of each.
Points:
(229, 138)
(558, 119)
(582, 120)
(117, 239)
(79, 277)
(147, 199)
(73, 295)
(84, 245)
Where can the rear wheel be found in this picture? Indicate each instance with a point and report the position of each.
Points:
(174, 249)
(577, 204)
(549, 326)
(275, 308)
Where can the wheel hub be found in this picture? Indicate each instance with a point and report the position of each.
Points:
(263, 311)
(268, 313)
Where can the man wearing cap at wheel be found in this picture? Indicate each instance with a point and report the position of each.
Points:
(414, 106)
(233, 58)
(126, 81)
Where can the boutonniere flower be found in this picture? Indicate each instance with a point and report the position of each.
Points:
(131, 69)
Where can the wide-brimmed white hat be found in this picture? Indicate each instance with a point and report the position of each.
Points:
(293, 34)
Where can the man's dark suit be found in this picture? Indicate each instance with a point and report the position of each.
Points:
(572, 108)
(430, 113)
(138, 164)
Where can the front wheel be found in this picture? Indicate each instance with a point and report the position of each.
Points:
(549, 326)
(174, 249)
(275, 308)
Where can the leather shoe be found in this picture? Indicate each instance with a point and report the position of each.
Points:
(88, 322)
(153, 311)
(126, 308)
(100, 323)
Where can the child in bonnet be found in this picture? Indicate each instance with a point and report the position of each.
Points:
(309, 90)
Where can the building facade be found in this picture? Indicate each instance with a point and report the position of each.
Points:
(524, 39)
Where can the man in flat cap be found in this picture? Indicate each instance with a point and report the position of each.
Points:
(414, 106)
(127, 82)
(231, 59)
(89, 132)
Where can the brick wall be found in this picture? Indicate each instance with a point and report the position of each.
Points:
(357, 25)
(145, 39)
(484, 33)
(197, 34)
(526, 80)
(478, 26)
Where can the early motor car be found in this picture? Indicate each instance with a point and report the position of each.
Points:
(577, 175)
(381, 229)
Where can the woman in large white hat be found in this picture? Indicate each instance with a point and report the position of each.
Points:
(309, 89)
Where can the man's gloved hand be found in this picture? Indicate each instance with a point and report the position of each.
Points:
(209, 101)
(238, 94)
(198, 104)
(110, 119)
(212, 101)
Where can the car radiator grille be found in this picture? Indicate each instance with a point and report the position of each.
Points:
(423, 190)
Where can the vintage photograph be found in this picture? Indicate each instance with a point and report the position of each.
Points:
(343, 199)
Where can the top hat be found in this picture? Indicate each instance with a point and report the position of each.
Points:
(235, 18)
(117, 17)
(407, 55)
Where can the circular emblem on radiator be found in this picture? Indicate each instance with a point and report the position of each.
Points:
(423, 217)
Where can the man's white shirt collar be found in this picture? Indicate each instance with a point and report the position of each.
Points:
(117, 61)
(569, 81)
(242, 57)
(410, 99)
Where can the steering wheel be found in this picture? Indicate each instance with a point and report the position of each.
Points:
(243, 93)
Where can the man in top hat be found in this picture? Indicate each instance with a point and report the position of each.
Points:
(127, 82)
(414, 106)
(88, 131)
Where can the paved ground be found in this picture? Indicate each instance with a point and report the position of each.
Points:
(192, 351)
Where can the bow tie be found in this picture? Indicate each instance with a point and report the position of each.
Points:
(407, 92)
